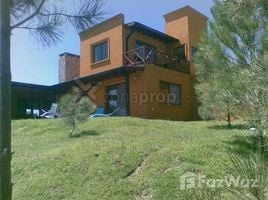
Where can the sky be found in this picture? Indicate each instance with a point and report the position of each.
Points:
(31, 63)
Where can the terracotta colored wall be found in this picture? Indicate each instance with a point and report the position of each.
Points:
(138, 88)
(112, 30)
(178, 28)
(151, 86)
(187, 25)
(144, 88)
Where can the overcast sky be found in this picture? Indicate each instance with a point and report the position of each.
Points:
(31, 63)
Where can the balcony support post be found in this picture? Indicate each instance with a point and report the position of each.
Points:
(127, 94)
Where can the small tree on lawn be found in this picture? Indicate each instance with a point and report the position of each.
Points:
(75, 107)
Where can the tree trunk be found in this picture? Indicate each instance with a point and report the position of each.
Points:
(5, 102)
(260, 142)
(229, 117)
(73, 128)
(229, 120)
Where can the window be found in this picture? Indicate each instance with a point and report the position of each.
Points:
(172, 92)
(100, 52)
(116, 99)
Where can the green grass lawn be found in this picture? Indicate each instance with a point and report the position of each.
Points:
(118, 158)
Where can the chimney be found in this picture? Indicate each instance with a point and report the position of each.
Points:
(187, 25)
(69, 67)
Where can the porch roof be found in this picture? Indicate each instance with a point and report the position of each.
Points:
(123, 70)
(29, 86)
(151, 32)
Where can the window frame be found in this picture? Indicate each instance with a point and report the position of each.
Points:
(179, 95)
(93, 46)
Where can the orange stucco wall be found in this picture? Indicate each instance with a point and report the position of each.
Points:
(144, 90)
(138, 87)
(187, 25)
(150, 105)
(112, 31)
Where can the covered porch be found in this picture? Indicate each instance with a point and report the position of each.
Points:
(147, 55)
(28, 100)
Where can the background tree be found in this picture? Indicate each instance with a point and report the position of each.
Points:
(75, 107)
(214, 82)
(233, 58)
(232, 65)
(46, 20)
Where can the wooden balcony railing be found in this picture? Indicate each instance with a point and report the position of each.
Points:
(145, 55)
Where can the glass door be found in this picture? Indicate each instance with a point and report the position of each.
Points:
(117, 99)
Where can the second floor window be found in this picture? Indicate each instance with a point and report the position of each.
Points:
(100, 52)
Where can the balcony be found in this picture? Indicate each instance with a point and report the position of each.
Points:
(145, 55)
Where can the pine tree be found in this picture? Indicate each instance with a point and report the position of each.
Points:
(232, 61)
(214, 87)
(75, 107)
(232, 65)
(46, 20)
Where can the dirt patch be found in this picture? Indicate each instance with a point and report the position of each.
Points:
(140, 166)
(54, 190)
(144, 196)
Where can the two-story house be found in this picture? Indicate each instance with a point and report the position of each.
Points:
(143, 72)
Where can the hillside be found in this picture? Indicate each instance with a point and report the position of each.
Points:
(117, 158)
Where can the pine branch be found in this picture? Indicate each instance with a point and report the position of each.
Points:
(238, 3)
(29, 17)
(89, 14)
(46, 22)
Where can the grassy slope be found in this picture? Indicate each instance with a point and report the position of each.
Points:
(102, 162)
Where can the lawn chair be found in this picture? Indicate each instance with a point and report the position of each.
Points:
(100, 113)
(51, 113)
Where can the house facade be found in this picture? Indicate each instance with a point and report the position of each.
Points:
(143, 72)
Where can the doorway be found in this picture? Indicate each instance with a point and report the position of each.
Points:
(117, 98)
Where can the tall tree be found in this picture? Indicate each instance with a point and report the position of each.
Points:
(46, 20)
(234, 58)
(234, 52)
(214, 83)
(5, 99)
